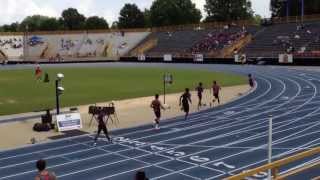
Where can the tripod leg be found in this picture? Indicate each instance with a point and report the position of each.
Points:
(109, 117)
(90, 123)
(117, 120)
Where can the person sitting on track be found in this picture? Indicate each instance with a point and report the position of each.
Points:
(157, 106)
(185, 98)
(44, 174)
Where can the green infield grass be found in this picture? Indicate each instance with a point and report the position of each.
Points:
(21, 92)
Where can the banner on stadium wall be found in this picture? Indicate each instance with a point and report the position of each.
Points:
(285, 58)
(167, 57)
(198, 58)
(67, 122)
(141, 57)
(240, 58)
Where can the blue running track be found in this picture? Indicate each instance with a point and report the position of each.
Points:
(211, 144)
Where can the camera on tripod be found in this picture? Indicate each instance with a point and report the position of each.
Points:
(109, 111)
(96, 110)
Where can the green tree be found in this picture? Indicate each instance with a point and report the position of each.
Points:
(50, 24)
(33, 23)
(114, 25)
(257, 19)
(14, 27)
(226, 10)
(279, 7)
(174, 12)
(72, 19)
(131, 17)
(147, 18)
(96, 22)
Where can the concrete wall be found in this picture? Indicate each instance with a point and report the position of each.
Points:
(109, 45)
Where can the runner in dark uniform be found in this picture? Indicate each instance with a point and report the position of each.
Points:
(185, 98)
(251, 82)
(157, 106)
(199, 90)
(215, 89)
(101, 127)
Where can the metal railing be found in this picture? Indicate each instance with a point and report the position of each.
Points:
(274, 166)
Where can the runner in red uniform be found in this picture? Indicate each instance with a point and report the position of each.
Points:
(157, 106)
(38, 72)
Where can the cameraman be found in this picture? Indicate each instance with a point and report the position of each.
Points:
(101, 127)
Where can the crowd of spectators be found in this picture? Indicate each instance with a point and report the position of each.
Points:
(217, 40)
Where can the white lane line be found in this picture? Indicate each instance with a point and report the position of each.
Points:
(157, 153)
(155, 165)
(130, 147)
(277, 156)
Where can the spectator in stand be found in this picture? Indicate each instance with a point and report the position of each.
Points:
(215, 40)
(44, 174)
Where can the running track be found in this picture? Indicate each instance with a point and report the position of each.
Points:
(211, 144)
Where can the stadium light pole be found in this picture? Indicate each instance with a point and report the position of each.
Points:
(59, 90)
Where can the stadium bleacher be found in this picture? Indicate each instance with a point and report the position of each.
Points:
(216, 41)
(280, 38)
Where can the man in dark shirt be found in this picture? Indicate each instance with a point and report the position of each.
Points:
(101, 127)
(199, 90)
(215, 90)
(185, 98)
(251, 82)
(157, 106)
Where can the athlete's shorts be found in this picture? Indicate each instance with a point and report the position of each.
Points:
(158, 114)
(186, 108)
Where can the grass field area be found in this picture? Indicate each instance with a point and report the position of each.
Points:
(20, 92)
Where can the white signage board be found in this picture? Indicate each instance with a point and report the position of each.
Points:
(141, 57)
(167, 57)
(240, 58)
(286, 58)
(67, 122)
(198, 58)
